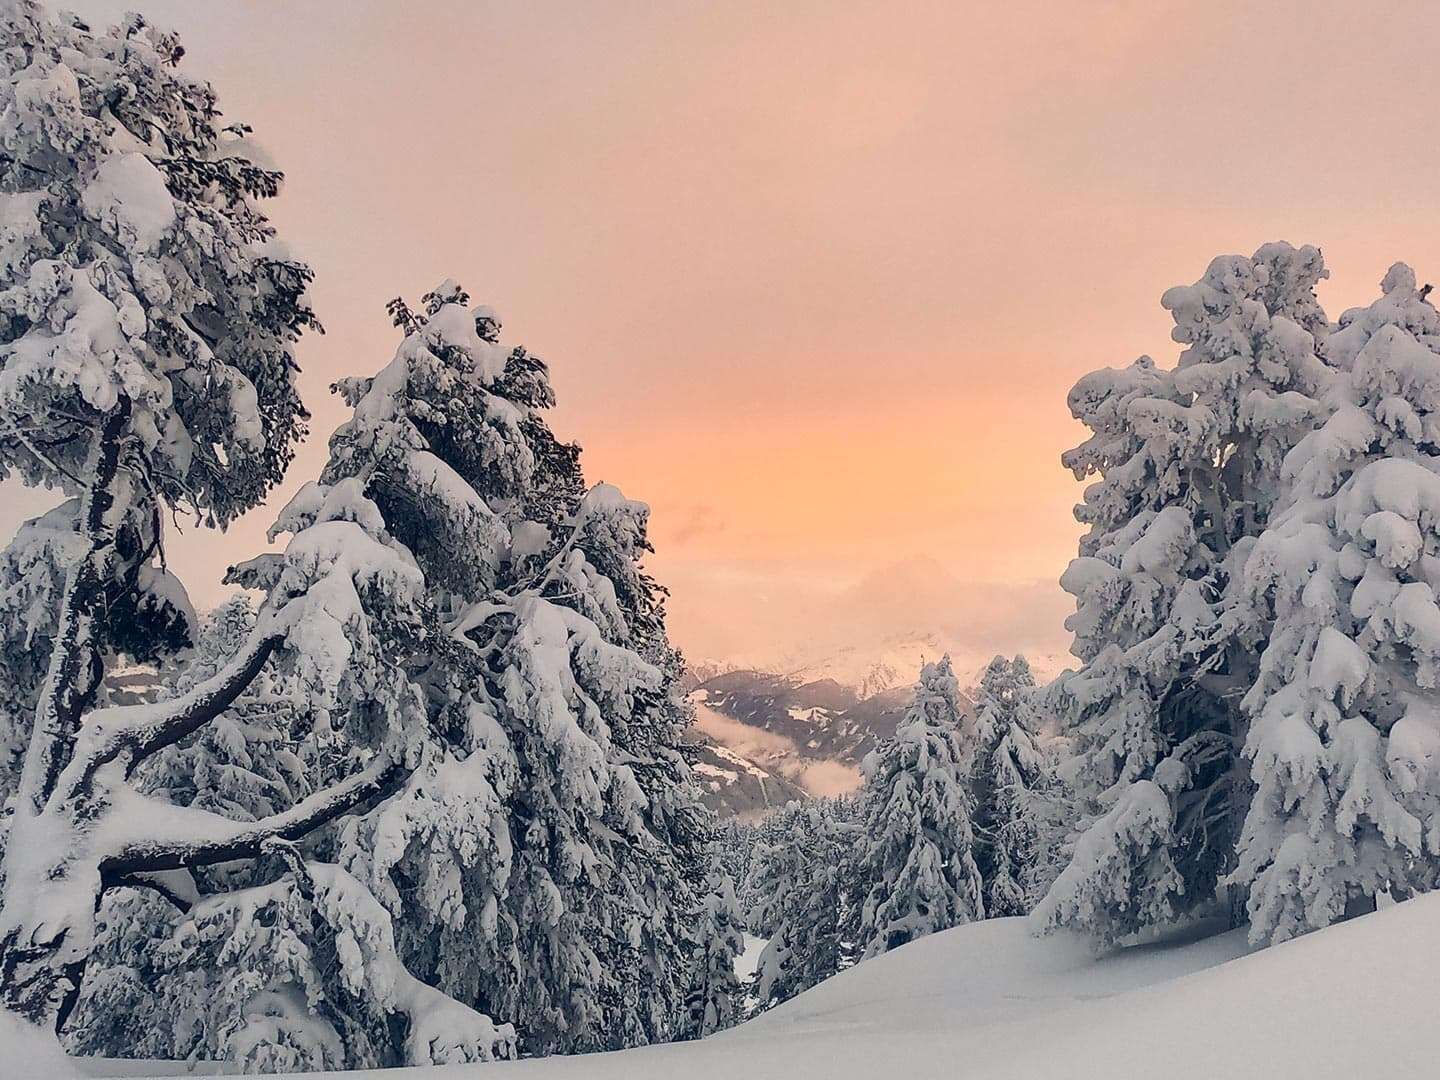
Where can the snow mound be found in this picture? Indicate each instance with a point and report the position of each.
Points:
(991, 1001)
(43, 1058)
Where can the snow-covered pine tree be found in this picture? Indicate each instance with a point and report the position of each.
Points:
(661, 872)
(1051, 807)
(260, 757)
(240, 765)
(803, 880)
(1345, 732)
(281, 961)
(545, 862)
(273, 746)
(343, 601)
(149, 319)
(717, 998)
(918, 859)
(733, 844)
(297, 974)
(145, 364)
(1188, 463)
(1009, 770)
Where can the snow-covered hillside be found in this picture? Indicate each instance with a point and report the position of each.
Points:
(813, 735)
(873, 665)
(731, 783)
(990, 1001)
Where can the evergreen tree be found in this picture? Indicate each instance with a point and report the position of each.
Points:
(299, 974)
(1051, 807)
(283, 961)
(148, 320)
(145, 364)
(269, 750)
(545, 862)
(1188, 463)
(918, 864)
(1009, 771)
(716, 994)
(804, 888)
(1342, 745)
(343, 604)
(733, 853)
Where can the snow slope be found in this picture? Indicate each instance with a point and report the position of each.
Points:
(989, 1001)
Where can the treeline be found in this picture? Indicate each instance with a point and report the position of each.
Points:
(1254, 730)
(960, 818)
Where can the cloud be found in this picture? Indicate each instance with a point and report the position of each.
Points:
(748, 612)
(688, 523)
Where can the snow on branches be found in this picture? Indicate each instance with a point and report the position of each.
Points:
(1188, 464)
(1344, 721)
(1256, 610)
(919, 860)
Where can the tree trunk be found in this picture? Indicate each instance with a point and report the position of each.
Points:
(44, 937)
(37, 980)
(73, 674)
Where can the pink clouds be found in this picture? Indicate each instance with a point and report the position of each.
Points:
(814, 278)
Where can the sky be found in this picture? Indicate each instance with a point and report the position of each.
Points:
(813, 279)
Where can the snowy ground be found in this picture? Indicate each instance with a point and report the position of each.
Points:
(749, 960)
(989, 1001)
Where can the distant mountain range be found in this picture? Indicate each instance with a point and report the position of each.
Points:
(869, 670)
(874, 634)
(766, 738)
(800, 681)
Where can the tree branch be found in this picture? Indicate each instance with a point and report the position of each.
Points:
(141, 730)
(181, 894)
(1203, 747)
(245, 841)
(538, 582)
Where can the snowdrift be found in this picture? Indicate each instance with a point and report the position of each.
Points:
(990, 1001)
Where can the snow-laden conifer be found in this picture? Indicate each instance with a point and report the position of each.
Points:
(1006, 782)
(717, 996)
(341, 601)
(1188, 466)
(918, 861)
(298, 974)
(1345, 729)
(803, 882)
(544, 860)
(145, 367)
(146, 363)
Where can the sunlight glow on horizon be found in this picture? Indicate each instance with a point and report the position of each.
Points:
(813, 280)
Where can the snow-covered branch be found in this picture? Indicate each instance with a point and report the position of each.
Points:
(202, 839)
(140, 730)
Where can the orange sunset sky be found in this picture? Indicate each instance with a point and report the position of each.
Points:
(813, 278)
